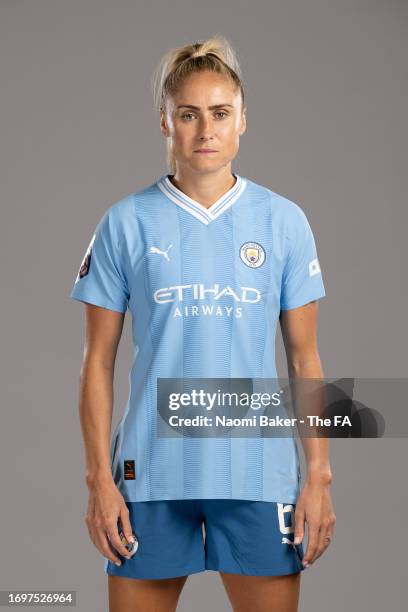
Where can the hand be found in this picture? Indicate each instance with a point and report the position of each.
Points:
(106, 505)
(314, 506)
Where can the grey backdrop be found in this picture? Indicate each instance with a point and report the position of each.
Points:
(326, 87)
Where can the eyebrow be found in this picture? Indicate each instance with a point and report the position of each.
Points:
(210, 107)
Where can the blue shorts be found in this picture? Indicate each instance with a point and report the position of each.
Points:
(253, 538)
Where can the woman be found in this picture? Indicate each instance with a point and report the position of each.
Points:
(207, 261)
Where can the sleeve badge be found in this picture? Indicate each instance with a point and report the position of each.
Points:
(86, 262)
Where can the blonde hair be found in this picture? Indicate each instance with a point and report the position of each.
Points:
(215, 54)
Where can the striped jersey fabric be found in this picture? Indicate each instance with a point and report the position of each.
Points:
(205, 287)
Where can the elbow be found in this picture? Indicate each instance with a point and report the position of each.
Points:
(307, 365)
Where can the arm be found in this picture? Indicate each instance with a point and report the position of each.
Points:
(299, 331)
(106, 504)
(103, 330)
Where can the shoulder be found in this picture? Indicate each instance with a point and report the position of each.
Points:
(287, 213)
(122, 214)
(128, 204)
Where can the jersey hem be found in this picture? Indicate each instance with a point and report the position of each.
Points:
(280, 498)
(81, 297)
(303, 302)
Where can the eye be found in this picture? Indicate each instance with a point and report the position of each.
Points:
(187, 115)
(222, 113)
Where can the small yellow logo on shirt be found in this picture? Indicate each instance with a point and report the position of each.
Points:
(252, 254)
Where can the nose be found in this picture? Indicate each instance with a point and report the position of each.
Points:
(206, 128)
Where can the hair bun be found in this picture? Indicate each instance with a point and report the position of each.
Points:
(198, 53)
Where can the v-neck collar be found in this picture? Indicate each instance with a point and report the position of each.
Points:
(199, 211)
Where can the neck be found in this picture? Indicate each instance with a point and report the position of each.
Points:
(204, 188)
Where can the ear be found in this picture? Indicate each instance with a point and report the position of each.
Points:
(163, 123)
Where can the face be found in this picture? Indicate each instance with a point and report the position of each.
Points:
(205, 113)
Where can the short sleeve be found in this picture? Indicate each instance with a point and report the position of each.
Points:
(302, 280)
(101, 279)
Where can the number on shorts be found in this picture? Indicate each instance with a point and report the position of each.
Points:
(282, 510)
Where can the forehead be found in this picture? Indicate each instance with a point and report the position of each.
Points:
(203, 88)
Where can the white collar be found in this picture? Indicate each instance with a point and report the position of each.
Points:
(203, 214)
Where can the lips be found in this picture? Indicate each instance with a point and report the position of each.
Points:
(205, 151)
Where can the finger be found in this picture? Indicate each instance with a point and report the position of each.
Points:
(325, 537)
(326, 534)
(127, 527)
(114, 538)
(299, 526)
(125, 524)
(313, 533)
(101, 542)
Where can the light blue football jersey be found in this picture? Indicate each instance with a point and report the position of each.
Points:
(205, 287)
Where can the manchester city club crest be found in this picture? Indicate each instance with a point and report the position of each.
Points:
(252, 254)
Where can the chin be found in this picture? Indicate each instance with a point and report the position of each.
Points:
(207, 165)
